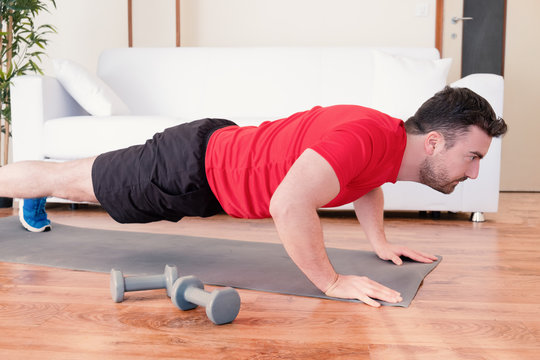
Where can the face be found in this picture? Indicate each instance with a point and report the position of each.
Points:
(444, 169)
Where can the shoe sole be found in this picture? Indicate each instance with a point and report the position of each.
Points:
(29, 227)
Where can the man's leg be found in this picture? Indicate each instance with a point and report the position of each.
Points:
(34, 181)
(71, 180)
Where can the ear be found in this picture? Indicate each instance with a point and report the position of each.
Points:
(433, 142)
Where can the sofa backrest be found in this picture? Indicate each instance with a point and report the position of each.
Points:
(242, 83)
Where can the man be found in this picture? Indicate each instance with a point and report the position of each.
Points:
(286, 169)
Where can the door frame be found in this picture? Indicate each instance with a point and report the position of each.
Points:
(439, 20)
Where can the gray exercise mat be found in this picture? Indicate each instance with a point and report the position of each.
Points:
(240, 264)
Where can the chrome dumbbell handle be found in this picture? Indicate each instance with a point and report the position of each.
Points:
(120, 284)
(144, 282)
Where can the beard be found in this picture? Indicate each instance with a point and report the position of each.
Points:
(434, 174)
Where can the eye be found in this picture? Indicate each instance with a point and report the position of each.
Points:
(472, 156)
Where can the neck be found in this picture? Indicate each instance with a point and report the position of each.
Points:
(412, 159)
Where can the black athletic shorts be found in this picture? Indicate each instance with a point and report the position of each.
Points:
(163, 179)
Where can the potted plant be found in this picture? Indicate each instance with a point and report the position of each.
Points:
(22, 44)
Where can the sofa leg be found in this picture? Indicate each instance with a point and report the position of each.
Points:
(477, 217)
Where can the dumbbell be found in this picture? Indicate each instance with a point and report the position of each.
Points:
(222, 306)
(121, 284)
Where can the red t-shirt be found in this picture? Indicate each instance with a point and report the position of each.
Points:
(245, 165)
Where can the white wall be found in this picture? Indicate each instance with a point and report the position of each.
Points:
(154, 23)
(307, 22)
(521, 148)
(84, 29)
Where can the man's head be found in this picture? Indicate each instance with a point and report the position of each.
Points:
(457, 126)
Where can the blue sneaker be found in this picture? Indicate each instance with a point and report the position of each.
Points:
(33, 216)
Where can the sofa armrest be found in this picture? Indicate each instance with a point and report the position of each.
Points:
(489, 86)
(486, 186)
(34, 100)
(482, 194)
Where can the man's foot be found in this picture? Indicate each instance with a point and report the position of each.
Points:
(33, 216)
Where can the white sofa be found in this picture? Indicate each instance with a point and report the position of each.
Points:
(166, 86)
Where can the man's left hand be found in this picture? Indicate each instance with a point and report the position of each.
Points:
(394, 252)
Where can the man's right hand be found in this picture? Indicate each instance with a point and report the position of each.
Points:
(363, 289)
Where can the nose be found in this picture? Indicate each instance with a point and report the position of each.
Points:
(473, 170)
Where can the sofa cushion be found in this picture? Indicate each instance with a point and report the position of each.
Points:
(96, 97)
(402, 84)
(84, 136)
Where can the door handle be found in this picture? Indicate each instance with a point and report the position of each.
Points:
(455, 19)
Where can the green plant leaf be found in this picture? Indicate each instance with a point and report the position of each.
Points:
(27, 47)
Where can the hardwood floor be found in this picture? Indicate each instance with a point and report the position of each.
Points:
(481, 302)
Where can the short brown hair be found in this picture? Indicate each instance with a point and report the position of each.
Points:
(451, 112)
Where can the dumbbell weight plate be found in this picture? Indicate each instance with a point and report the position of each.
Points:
(179, 288)
(224, 306)
(117, 286)
(171, 274)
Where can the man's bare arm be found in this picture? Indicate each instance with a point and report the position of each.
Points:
(311, 183)
(370, 213)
